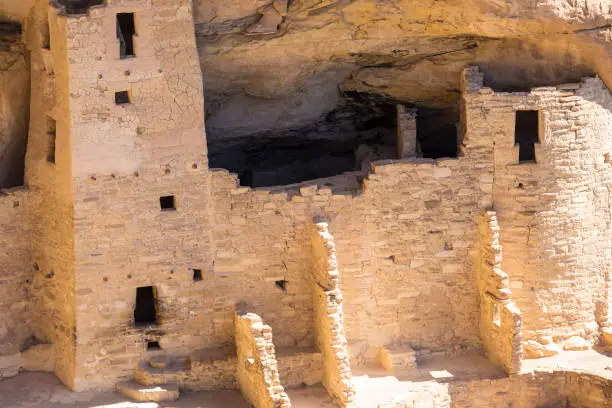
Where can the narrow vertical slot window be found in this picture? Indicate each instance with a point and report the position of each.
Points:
(126, 30)
(51, 136)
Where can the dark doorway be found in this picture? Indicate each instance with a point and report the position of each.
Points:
(145, 313)
(437, 132)
(526, 132)
(126, 30)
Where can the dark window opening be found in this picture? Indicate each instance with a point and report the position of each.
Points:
(437, 132)
(46, 36)
(526, 134)
(361, 129)
(145, 313)
(51, 136)
(122, 97)
(153, 345)
(282, 284)
(197, 275)
(126, 30)
(167, 203)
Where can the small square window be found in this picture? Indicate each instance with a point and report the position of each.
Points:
(122, 97)
(167, 203)
(153, 345)
(197, 275)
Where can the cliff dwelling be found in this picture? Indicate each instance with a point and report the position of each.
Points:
(306, 203)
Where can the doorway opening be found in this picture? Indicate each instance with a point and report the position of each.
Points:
(145, 313)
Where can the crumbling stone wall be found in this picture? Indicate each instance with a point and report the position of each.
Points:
(555, 212)
(329, 317)
(257, 372)
(500, 319)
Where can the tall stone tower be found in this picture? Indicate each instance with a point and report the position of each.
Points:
(117, 161)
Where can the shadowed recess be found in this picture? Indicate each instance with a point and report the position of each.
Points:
(76, 6)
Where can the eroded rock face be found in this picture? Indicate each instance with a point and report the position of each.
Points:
(405, 51)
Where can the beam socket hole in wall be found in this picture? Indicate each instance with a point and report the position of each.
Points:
(153, 345)
(526, 134)
(122, 97)
(496, 314)
(167, 203)
(51, 137)
(282, 284)
(145, 313)
(126, 30)
(197, 275)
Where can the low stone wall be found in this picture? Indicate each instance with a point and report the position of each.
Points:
(212, 369)
(329, 324)
(558, 389)
(299, 366)
(257, 371)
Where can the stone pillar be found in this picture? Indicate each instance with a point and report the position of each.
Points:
(406, 132)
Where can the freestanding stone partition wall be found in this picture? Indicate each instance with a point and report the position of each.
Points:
(328, 316)
(500, 319)
(257, 371)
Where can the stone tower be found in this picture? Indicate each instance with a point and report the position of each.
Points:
(117, 160)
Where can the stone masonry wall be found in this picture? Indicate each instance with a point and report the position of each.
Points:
(50, 207)
(382, 250)
(257, 372)
(329, 318)
(500, 319)
(554, 213)
(15, 283)
(538, 389)
(125, 158)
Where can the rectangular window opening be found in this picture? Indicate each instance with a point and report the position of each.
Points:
(122, 97)
(496, 314)
(167, 203)
(51, 136)
(526, 134)
(197, 275)
(153, 345)
(46, 37)
(145, 313)
(126, 30)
